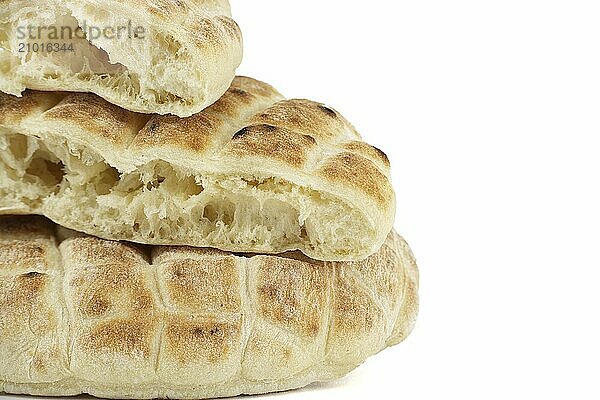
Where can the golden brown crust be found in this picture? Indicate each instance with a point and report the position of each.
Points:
(211, 128)
(354, 313)
(254, 87)
(170, 129)
(25, 301)
(207, 35)
(30, 313)
(14, 109)
(371, 152)
(15, 255)
(360, 174)
(26, 244)
(308, 118)
(91, 113)
(293, 294)
(286, 130)
(205, 286)
(119, 336)
(125, 321)
(206, 341)
(271, 142)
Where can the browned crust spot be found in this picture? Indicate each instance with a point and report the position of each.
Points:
(123, 336)
(189, 341)
(104, 252)
(355, 314)
(192, 133)
(293, 295)
(114, 282)
(22, 298)
(95, 306)
(306, 117)
(243, 93)
(199, 132)
(23, 255)
(368, 151)
(272, 142)
(207, 286)
(26, 290)
(231, 27)
(14, 109)
(206, 34)
(98, 117)
(361, 174)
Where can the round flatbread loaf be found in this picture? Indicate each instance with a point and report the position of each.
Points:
(84, 315)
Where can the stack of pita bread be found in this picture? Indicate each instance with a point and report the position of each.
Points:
(169, 230)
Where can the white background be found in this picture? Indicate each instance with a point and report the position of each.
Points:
(490, 114)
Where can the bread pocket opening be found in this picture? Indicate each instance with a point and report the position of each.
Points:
(46, 172)
(62, 47)
(32, 163)
(84, 46)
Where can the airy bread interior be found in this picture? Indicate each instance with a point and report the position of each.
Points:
(163, 203)
(161, 70)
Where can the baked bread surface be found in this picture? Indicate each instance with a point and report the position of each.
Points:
(80, 314)
(252, 173)
(174, 57)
